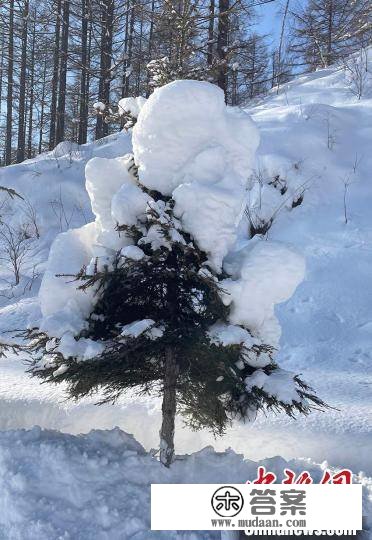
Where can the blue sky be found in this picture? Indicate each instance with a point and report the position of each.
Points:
(270, 19)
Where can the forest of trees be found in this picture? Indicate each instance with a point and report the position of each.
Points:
(59, 57)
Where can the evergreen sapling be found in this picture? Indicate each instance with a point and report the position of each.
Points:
(157, 317)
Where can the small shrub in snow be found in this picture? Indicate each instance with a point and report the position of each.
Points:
(16, 245)
(357, 74)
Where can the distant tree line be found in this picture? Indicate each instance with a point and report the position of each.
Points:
(58, 57)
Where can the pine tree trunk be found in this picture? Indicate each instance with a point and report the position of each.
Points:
(168, 408)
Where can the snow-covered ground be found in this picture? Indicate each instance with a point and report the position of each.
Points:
(317, 137)
(97, 487)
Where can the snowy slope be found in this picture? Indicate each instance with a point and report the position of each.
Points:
(52, 187)
(317, 130)
(316, 135)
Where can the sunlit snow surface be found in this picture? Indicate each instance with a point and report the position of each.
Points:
(317, 135)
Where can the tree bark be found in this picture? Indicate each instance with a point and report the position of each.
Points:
(53, 104)
(222, 43)
(22, 88)
(139, 66)
(83, 108)
(2, 49)
(280, 50)
(210, 33)
(9, 99)
(61, 108)
(31, 82)
(150, 46)
(41, 126)
(329, 33)
(130, 49)
(107, 18)
(168, 408)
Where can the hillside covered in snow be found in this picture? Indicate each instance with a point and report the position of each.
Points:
(310, 191)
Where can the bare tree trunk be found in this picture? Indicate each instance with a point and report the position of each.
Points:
(53, 103)
(280, 50)
(61, 108)
(210, 33)
(22, 87)
(222, 43)
(138, 81)
(168, 408)
(83, 109)
(125, 62)
(2, 47)
(253, 70)
(9, 98)
(32, 77)
(41, 127)
(107, 18)
(130, 48)
(149, 51)
(273, 69)
(329, 33)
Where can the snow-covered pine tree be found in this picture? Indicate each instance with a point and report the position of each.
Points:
(155, 311)
(159, 307)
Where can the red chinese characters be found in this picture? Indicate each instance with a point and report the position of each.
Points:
(290, 477)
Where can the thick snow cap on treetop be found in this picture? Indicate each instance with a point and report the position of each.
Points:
(180, 127)
(189, 145)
